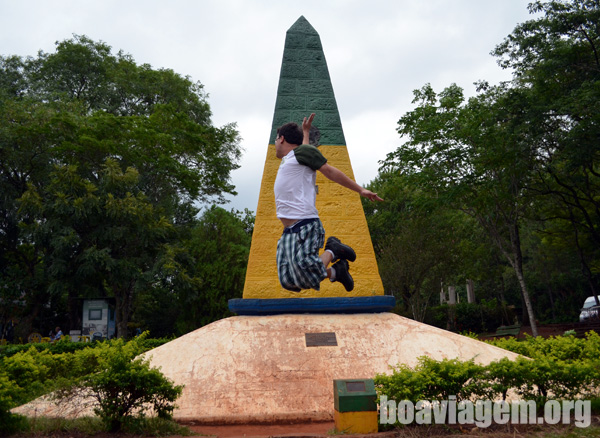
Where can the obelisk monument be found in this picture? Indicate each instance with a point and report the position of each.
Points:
(305, 87)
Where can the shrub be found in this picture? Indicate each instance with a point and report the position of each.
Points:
(62, 346)
(123, 385)
(432, 380)
(65, 346)
(564, 348)
(545, 378)
(10, 392)
(468, 317)
(502, 376)
(561, 368)
(127, 387)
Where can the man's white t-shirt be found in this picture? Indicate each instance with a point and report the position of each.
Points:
(295, 184)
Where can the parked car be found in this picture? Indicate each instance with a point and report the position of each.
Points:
(589, 309)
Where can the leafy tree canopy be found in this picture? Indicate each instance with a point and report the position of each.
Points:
(102, 165)
(524, 151)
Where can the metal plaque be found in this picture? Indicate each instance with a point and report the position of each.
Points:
(327, 339)
(356, 386)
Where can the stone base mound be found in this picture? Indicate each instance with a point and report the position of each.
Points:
(269, 369)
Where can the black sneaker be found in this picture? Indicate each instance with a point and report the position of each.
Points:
(340, 251)
(342, 275)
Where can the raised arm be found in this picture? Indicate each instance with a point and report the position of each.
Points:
(336, 175)
(306, 124)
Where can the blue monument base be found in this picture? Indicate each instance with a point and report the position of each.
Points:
(278, 306)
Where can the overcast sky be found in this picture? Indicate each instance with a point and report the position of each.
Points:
(377, 51)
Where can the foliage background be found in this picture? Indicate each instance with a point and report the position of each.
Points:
(105, 165)
(111, 177)
(501, 188)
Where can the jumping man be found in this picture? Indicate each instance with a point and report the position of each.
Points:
(299, 265)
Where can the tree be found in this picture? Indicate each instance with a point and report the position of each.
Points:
(556, 62)
(83, 129)
(29, 131)
(522, 150)
(416, 241)
(102, 236)
(473, 157)
(220, 245)
(198, 277)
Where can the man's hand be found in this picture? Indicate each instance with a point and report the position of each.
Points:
(369, 194)
(306, 124)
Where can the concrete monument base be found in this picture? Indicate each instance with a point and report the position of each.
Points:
(280, 368)
(249, 369)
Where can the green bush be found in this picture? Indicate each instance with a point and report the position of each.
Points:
(466, 317)
(547, 378)
(10, 393)
(501, 376)
(494, 314)
(62, 346)
(29, 371)
(127, 387)
(65, 346)
(11, 423)
(432, 380)
(560, 368)
(449, 377)
(437, 316)
(564, 348)
(37, 372)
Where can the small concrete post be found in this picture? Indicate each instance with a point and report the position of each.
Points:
(470, 291)
(451, 295)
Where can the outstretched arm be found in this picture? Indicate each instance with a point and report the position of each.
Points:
(306, 124)
(336, 175)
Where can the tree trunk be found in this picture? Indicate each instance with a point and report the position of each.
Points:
(74, 305)
(518, 267)
(123, 298)
(551, 297)
(515, 258)
(527, 301)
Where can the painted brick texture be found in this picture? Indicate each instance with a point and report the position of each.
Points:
(342, 215)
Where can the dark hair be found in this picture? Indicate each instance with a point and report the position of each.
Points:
(291, 132)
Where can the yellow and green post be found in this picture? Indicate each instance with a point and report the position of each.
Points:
(355, 406)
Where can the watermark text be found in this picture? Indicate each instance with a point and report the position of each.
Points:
(483, 413)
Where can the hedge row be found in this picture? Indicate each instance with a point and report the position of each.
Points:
(27, 372)
(561, 368)
(65, 346)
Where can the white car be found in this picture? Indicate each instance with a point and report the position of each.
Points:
(589, 310)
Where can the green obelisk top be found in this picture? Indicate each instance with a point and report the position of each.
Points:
(305, 86)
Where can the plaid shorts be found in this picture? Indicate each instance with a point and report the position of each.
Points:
(298, 263)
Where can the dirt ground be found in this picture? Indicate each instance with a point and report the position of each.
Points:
(327, 430)
(292, 430)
